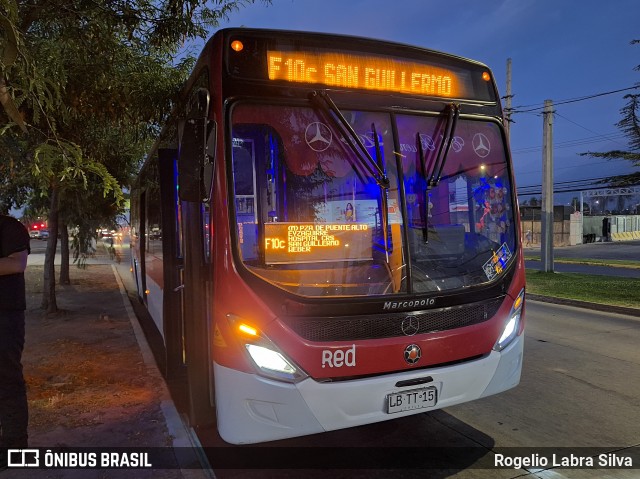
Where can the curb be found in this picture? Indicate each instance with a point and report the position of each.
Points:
(181, 434)
(585, 304)
(586, 262)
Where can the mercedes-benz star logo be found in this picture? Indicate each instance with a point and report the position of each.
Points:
(410, 325)
(481, 145)
(318, 136)
(412, 353)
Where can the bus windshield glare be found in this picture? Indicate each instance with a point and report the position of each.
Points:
(309, 212)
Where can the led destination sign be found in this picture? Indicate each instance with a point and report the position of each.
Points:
(367, 72)
(303, 242)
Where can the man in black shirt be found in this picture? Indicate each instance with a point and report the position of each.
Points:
(14, 248)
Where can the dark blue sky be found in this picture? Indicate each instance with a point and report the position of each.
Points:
(560, 49)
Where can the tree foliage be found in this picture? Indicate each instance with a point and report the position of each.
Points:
(91, 82)
(630, 125)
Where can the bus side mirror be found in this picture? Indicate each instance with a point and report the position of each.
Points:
(196, 150)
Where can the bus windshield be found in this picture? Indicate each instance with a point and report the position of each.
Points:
(309, 211)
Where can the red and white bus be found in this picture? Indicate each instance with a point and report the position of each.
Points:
(326, 234)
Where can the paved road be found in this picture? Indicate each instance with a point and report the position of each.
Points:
(613, 250)
(579, 389)
(622, 250)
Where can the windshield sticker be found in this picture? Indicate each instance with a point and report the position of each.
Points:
(497, 262)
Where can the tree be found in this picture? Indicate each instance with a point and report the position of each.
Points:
(86, 77)
(630, 125)
(57, 168)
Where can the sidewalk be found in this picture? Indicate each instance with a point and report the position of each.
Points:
(92, 380)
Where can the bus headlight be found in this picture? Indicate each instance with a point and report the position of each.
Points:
(270, 361)
(512, 325)
(264, 354)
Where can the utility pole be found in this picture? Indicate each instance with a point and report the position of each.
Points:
(507, 113)
(546, 252)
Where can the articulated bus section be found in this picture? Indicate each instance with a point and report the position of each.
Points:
(319, 256)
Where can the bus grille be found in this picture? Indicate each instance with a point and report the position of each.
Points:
(349, 328)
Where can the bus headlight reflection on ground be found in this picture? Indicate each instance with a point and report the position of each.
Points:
(512, 326)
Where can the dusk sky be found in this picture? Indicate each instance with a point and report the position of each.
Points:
(561, 50)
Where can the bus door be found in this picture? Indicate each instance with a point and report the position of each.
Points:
(195, 225)
(172, 244)
(196, 312)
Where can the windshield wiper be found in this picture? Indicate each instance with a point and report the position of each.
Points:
(445, 146)
(324, 101)
(433, 176)
(375, 168)
(384, 201)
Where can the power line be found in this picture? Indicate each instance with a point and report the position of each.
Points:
(564, 190)
(572, 143)
(574, 166)
(569, 186)
(555, 183)
(570, 100)
(587, 129)
(599, 137)
(532, 191)
(568, 190)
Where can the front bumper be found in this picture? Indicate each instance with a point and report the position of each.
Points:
(252, 409)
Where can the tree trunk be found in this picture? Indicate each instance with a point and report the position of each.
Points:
(64, 254)
(49, 302)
